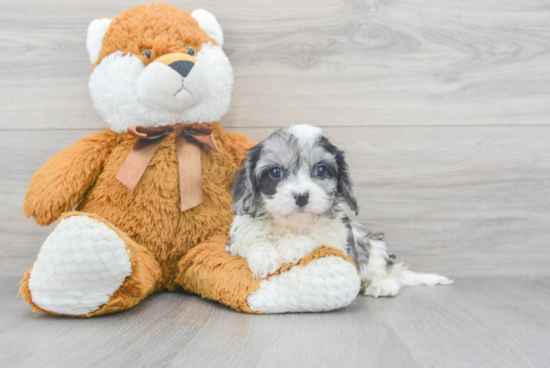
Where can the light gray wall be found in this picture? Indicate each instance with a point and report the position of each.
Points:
(442, 106)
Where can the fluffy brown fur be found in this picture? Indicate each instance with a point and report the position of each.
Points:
(148, 218)
(210, 271)
(169, 248)
(132, 32)
(149, 214)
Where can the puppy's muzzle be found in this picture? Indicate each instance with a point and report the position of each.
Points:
(301, 198)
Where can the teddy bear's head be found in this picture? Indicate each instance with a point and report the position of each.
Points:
(156, 65)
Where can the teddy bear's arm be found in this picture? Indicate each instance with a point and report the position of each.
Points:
(62, 181)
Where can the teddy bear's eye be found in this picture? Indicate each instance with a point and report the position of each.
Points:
(191, 50)
(147, 53)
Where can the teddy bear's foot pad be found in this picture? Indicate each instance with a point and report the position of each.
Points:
(80, 265)
(324, 284)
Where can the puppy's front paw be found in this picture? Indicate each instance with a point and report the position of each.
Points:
(293, 250)
(263, 261)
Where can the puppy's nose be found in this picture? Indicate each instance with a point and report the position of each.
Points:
(301, 198)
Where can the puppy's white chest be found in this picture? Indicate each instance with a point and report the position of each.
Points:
(294, 244)
(288, 244)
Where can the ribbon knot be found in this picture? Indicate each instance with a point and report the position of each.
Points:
(189, 159)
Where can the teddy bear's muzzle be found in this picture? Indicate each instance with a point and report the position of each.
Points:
(180, 62)
(173, 82)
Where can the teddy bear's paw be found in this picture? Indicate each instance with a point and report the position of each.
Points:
(263, 261)
(79, 267)
(324, 284)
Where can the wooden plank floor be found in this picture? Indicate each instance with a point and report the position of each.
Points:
(491, 322)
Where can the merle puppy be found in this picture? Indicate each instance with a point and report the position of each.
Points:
(291, 197)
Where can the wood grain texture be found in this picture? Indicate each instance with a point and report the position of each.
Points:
(326, 62)
(474, 323)
(462, 201)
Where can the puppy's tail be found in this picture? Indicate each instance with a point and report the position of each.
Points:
(410, 278)
(398, 271)
(380, 274)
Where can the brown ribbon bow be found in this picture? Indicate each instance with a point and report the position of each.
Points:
(189, 159)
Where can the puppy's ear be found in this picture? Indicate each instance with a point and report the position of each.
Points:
(344, 184)
(245, 191)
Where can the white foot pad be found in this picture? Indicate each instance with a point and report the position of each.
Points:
(80, 265)
(325, 284)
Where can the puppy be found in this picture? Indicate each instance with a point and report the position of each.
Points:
(291, 197)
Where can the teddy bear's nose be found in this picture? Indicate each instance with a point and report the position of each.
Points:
(180, 62)
(183, 67)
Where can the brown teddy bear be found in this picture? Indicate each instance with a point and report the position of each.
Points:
(153, 191)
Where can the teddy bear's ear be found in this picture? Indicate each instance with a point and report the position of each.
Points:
(209, 23)
(96, 32)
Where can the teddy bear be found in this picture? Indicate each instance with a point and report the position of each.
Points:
(145, 205)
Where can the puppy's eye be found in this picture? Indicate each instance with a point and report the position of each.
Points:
(191, 50)
(146, 53)
(276, 172)
(321, 172)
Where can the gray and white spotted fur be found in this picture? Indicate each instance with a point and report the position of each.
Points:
(291, 197)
